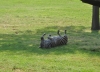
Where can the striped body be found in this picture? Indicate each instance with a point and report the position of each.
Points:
(53, 41)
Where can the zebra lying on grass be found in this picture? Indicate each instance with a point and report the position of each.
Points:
(53, 41)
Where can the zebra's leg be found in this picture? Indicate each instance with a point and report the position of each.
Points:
(65, 31)
(42, 41)
(42, 38)
(65, 37)
(58, 32)
(43, 35)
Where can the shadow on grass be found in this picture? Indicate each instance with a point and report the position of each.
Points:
(28, 41)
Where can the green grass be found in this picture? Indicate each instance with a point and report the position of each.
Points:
(22, 23)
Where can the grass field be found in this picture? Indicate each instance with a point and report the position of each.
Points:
(22, 23)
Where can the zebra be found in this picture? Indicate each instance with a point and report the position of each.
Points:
(53, 41)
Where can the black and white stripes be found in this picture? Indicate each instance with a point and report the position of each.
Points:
(54, 41)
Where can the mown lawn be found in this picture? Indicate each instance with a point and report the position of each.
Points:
(22, 23)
